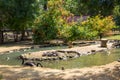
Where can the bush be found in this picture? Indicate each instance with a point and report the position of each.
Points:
(50, 22)
(99, 25)
(43, 33)
(77, 32)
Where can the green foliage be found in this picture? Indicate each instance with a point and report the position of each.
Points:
(78, 32)
(77, 7)
(102, 7)
(49, 18)
(49, 22)
(117, 16)
(19, 14)
(46, 29)
(90, 7)
(70, 33)
(89, 29)
(71, 5)
(99, 24)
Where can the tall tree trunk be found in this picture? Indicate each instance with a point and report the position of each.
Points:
(100, 35)
(23, 35)
(1, 37)
(16, 36)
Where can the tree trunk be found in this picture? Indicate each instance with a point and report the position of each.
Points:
(104, 43)
(28, 34)
(100, 35)
(15, 36)
(23, 35)
(1, 37)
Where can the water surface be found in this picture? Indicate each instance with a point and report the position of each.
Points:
(83, 61)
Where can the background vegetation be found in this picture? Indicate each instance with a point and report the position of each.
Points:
(60, 19)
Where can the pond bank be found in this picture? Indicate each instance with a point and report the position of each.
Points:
(106, 72)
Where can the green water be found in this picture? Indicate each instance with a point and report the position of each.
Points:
(86, 61)
(83, 61)
(13, 57)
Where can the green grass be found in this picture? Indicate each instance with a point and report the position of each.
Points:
(1, 77)
(113, 37)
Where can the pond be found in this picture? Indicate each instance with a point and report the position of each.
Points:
(13, 57)
(97, 59)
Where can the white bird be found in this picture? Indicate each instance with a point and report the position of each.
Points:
(7, 58)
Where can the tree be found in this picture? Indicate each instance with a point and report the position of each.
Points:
(72, 6)
(4, 8)
(90, 7)
(100, 24)
(26, 11)
(117, 13)
(50, 21)
(102, 7)
(19, 14)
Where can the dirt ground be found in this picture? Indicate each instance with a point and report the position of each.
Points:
(13, 46)
(105, 72)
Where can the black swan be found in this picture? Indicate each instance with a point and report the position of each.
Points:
(31, 63)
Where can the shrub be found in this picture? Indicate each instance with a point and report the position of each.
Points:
(77, 32)
(99, 25)
(50, 22)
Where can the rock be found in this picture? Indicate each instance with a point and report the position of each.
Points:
(21, 49)
(76, 56)
(11, 51)
(38, 59)
(54, 54)
(116, 44)
(32, 47)
(61, 56)
(6, 52)
(74, 53)
(62, 51)
(93, 51)
(15, 50)
(104, 43)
